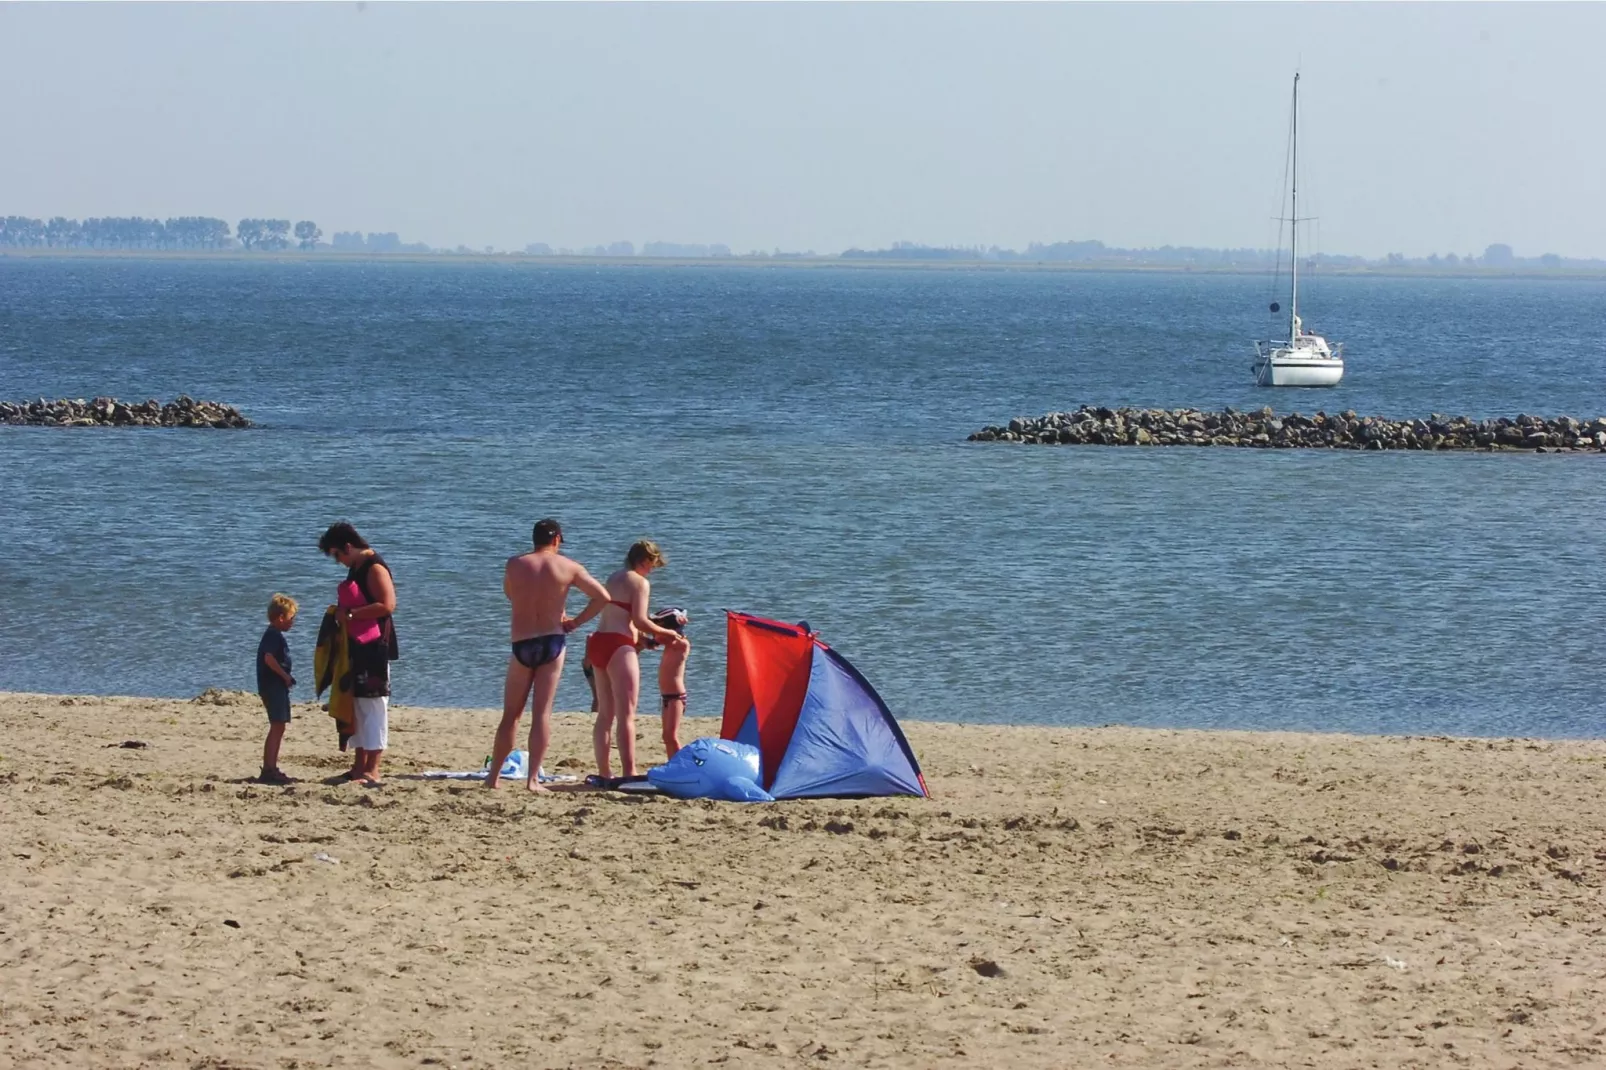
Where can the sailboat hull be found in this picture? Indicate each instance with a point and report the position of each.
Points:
(1306, 361)
(1299, 371)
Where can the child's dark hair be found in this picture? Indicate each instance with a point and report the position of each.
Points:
(546, 533)
(339, 536)
(674, 618)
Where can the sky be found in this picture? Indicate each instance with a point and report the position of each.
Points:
(1424, 128)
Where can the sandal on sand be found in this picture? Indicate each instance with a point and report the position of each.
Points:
(274, 776)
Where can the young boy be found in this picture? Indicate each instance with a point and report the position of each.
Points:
(672, 674)
(274, 683)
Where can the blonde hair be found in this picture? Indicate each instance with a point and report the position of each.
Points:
(281, 607)
(645, 550)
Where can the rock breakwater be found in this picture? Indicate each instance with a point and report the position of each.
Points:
(1264, 429)
(183, 411)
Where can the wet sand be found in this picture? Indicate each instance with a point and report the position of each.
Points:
(1067, 898)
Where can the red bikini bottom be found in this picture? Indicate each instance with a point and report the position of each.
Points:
(601, 647)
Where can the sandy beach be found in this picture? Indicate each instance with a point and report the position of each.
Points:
(1067, 897)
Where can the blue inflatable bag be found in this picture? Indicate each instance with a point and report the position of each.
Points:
(711, 769)
(516, 767)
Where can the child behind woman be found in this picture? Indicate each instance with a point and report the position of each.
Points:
(672, 674)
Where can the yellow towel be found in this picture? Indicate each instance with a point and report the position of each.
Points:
(331, 670)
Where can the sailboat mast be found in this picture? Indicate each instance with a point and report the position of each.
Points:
(1293, 228)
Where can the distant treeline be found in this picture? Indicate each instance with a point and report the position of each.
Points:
(133, 232)
(1498, 256)
(136, 232)
(350, 241)
(186, 232)
(1088, 252)
(626, 248)
(274, 235)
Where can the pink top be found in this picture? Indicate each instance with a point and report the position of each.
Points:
(350, 596)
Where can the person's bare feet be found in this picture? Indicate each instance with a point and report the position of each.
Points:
(492, 781)
(536, 787)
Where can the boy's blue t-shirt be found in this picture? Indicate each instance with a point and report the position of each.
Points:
(272, 643)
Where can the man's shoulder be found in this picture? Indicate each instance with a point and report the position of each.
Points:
(559, 565)
(538, 563)
(525, 562)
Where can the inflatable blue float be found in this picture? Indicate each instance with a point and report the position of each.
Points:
(711, 769)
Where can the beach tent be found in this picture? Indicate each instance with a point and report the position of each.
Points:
(819, 727)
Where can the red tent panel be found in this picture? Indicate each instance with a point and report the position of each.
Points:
(767, 672)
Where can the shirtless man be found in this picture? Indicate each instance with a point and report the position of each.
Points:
(537, 584)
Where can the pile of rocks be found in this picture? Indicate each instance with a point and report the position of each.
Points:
(185, 411)
(1266, 430)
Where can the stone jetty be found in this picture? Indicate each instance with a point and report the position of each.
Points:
(1264, 429)
(1267, 431)
(183, 411)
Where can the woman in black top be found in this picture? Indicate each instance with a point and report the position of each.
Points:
(371, 638)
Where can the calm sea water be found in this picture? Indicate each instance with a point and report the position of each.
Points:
(793, 437)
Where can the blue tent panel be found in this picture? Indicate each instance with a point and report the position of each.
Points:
(749, 732)
(845, 742)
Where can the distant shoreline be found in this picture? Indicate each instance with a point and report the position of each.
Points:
(293, 256)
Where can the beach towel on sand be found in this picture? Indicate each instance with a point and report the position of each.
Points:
(331, 672)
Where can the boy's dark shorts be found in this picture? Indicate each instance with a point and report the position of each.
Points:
(278, 704)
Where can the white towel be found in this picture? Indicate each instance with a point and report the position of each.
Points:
(512, 769)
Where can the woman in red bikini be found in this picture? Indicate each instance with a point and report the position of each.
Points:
(611, 650)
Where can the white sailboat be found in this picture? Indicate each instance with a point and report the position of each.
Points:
(1304, 358)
